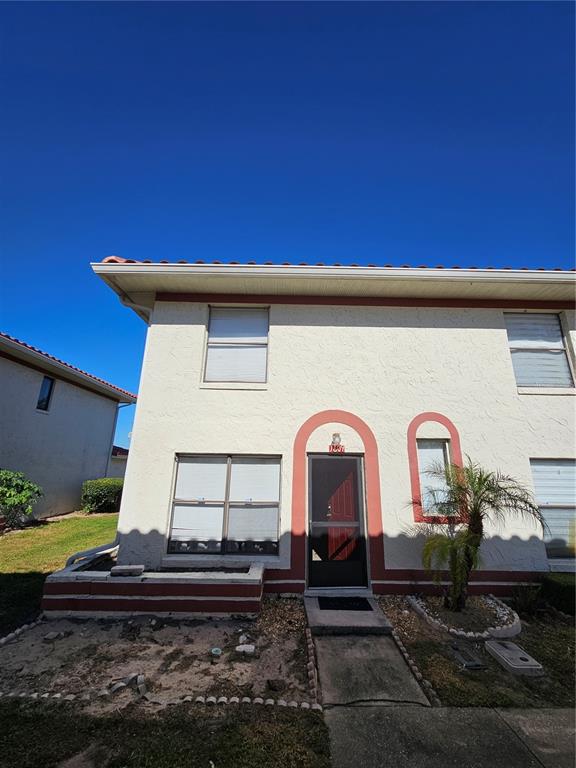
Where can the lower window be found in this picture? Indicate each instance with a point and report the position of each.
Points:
(225, 505)
(555, 486)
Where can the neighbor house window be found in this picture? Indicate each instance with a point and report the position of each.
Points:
(237, 345)
(46, 389)
(225, 505)
(555, 488)
(432, 455)
(538, 352)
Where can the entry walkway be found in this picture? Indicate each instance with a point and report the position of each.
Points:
(378, 717)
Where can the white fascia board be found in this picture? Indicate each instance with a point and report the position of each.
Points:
(342, 273)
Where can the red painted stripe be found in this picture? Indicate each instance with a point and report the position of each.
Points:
(365, 301)
(142, 588)
(149, 606)
(433, 589)
(422, 575)
(284, 587)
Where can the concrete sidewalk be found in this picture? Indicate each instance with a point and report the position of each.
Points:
(418, 737)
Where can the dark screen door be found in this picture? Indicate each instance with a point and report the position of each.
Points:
(336, 541)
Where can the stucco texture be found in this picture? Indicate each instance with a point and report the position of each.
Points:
(58, 448)
(385, 366)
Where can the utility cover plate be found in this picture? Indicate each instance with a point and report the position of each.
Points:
(344, 604)
(513, 658)
(466, 658)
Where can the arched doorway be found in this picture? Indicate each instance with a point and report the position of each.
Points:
(339, 484)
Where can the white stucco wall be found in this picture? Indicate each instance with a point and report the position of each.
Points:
(385, 365)
(58, 448)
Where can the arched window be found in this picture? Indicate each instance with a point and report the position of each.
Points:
(422, 454)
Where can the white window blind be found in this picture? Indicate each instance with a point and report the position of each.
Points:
(432, 454)
(255, 480)
(227, 504)
(237, 345)
(248, 523)
(201, 479)
(538, 352)
(555, 488)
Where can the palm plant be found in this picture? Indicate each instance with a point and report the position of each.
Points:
(471, 497)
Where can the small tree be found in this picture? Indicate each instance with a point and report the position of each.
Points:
(17, 497)
(471, 497)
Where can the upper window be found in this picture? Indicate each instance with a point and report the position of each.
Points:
(538, 352)
(45, 396)
(225, 504)
(555, 487)
(433, 455)
(237, 345)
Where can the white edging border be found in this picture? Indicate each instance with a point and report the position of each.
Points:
(185, 699)
(426, 685)
(19, 631)
(312, 668)
(507, 629)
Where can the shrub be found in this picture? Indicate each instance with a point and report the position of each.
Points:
(102, 495)
(559, 589)
(17, 497)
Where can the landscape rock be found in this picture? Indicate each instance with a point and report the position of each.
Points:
(247, 648)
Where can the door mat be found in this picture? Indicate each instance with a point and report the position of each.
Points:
(344, 604)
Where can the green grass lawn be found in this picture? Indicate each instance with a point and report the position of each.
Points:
(547, 639)
(26, 557)
(43, 735)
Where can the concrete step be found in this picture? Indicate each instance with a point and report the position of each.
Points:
(343, 622)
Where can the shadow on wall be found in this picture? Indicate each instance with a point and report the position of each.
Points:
(505, 556)
(503, 560)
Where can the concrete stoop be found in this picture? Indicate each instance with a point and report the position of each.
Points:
(342, 622)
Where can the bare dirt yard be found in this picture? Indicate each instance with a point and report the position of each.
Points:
(86, 656)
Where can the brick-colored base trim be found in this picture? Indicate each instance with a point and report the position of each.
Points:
(146, 589)
(160, 605)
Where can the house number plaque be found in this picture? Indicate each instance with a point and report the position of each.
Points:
(336, 444)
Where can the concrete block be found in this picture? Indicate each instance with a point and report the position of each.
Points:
(513, 658)
(127, 570)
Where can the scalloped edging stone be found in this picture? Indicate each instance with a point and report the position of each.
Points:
(426, 685)
(506, 629)
(17, 632)
(60, 697)
(312, 668)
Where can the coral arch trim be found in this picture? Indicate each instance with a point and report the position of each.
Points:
(372, 477)
(456, 456)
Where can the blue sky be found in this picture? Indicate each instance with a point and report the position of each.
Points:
(419, 133)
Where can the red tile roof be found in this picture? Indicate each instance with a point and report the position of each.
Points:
(73, 368)
(117, 450)
(120, 260)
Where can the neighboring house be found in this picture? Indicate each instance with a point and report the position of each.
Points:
(57, 423)
(117, 464)
(287, 416)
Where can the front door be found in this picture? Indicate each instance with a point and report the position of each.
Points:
(336, 540)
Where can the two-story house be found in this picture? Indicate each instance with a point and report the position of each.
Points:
(57, 423)
(288, 414)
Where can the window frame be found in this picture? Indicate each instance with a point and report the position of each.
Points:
(51, 379)
(556, 562)
(226, 503)
(235, 384)
(447, 452)
(566, 348)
